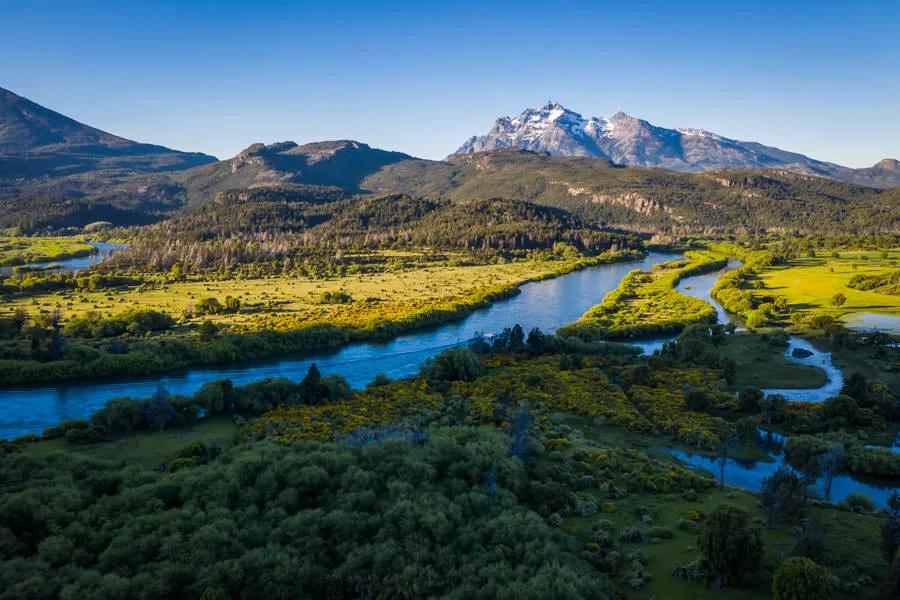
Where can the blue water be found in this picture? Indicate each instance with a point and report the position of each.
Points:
(103, 251)
(546, 304)
(750, 474)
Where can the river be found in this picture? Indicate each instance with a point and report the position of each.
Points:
(103, 251)
(546, 304)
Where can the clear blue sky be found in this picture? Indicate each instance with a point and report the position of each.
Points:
(822, 78)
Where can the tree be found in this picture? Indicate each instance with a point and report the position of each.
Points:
(838, 300)
(783, 496)
(890, 529)
(516, 338)
(731, 546)
(729, 441)
(208, 306)
(521, 434)
(799, 578)
(455, 364)
(750, 399)
(856, 387)
(535, 341)
(159, 411)
(310, 387)
(829, 464)
(840, 410)
(207, 330)
(773, 407)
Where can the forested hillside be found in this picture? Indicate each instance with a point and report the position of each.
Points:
(652, 200)
(277, 223)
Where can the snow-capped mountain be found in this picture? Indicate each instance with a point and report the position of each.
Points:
(626, 140)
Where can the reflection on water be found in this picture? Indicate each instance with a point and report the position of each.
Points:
(873, 322)
(546, 304)
(750, 475)
(104, 251)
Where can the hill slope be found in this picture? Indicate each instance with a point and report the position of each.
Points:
(37, 142)
(651, 200)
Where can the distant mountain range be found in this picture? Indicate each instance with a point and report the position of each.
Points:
(37, 142)
(57, 173)
(626, 140)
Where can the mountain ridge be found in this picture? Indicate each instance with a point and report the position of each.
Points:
(36, 141)
(631, 141)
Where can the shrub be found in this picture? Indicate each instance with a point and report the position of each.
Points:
(631, 534)
(455, 364)
(731, 546)
(800, 579)
(208, 306)
(858, 502)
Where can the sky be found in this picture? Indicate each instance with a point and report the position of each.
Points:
(821, 78)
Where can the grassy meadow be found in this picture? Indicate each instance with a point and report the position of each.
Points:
(283, 303)
(809, 283)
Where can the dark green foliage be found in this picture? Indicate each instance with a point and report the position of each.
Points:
(696, 400)
(887, 283)
(811, 543)
(858, 502)
(385, 520)
(783, 496)
(800, 579)
(455, 364)
(731, 546)
(890, 529)
(208, 306)
(750, 399)
(136, 322)
(310, 387)
(159, 411)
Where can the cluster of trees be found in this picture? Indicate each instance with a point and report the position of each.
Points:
(887, 283)
(389, 519)
(38, 281)
(134, 322)
(240, 229)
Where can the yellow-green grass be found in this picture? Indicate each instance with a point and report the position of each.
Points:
(146, 448)
(18, 250)
(646, 303)
(808, 284)
(763, 365)
(283, 303)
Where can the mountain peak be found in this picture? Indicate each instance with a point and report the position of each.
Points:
(888, 164)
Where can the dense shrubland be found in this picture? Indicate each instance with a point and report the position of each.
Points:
(485, 467)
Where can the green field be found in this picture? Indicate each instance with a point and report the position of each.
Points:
(761, 363)
(284, 303)
(146, 448)
(808, 284)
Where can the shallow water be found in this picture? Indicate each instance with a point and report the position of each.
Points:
(749, 475)
(104, 251)
(868, 321)
(546, 304)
